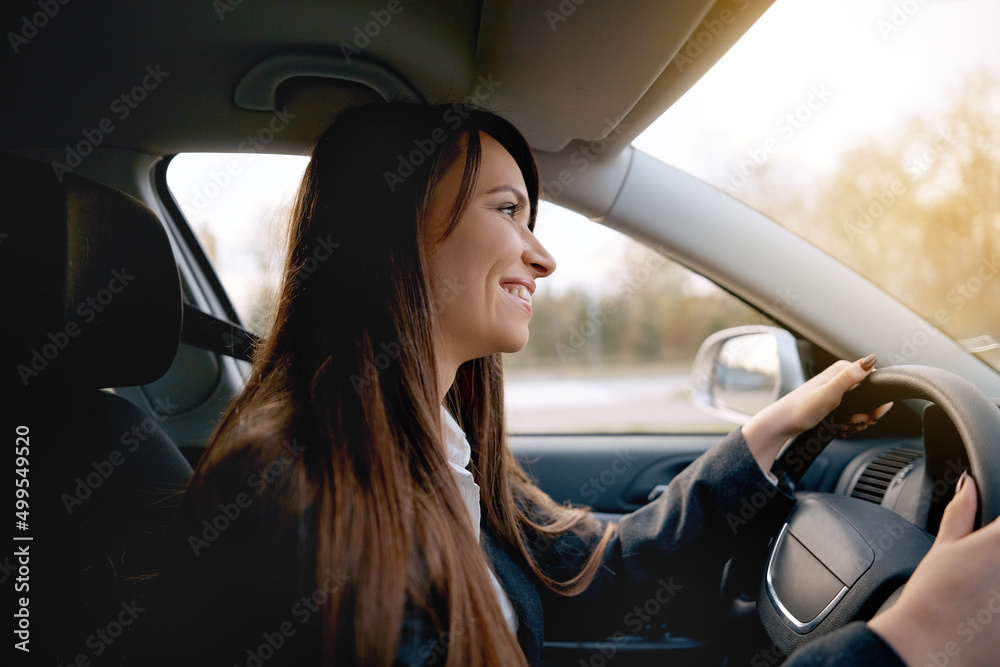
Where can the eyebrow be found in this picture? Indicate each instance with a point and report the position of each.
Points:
(511, 189)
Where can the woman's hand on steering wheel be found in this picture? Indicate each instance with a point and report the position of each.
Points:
(949, 611)
(806, 406)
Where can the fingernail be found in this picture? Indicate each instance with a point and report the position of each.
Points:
(961, 481)
(868, 362)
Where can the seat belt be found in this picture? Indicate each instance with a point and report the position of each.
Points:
(220, 336)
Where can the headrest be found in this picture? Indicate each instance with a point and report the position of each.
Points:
(91, 289)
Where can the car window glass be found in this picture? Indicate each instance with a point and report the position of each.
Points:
(614, 330)
(874, 137)
(237, 206)
(613, 335)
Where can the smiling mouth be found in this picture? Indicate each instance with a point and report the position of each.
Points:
(519, 291)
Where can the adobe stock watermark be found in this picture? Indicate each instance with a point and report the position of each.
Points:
(22, 585)
(786, 127)
(635, 621)
(640, 615)
(387, 354)
(900, 15)
(702, 379)
(869, 214)
(915, 167)
(930, 152)
(941, 488)
(802, 455)
(750, 506)
(452, 118)
(102, 638)
(562, 12)
(223, 7)
(33, 23)
(708, 31)
(320, 252)
(363, 35)
(437, 649)
(783, 301)
(967, 630)
(596, 318)
(910, 345)
(302, 610)
(229, 512)
(584, 156)
(7, 568)
(87, 310)
(967, 291)
(958, 298)
(103, 469)
(389, 351)
(766, 657)
(254, 144)
(593, 488)
(121, 108)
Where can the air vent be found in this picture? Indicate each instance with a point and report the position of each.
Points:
(878, 475)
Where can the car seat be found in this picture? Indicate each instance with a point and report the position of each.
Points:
(93, 300)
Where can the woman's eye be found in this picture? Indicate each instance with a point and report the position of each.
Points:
(510, 209)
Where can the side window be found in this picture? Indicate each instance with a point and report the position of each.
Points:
(614, 330)
(237, 205)
(614, 333)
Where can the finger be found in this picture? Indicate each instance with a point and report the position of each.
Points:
(868, 418)
(960, 514)
(850, 375)
(880, 411)
(830, 371)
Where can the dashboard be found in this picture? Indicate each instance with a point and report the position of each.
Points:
(913, 475)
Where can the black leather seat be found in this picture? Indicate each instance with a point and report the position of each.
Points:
(93, 300)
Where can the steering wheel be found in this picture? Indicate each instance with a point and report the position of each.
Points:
(840, 559)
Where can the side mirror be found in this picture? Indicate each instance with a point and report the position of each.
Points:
(739, 371)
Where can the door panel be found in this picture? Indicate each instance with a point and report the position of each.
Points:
(612, 474)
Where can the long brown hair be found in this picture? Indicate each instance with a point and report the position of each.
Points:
(347, 371)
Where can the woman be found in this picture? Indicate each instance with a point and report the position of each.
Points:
(358, 503)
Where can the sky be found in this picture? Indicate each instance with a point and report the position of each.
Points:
(809, 79)
(876, 61)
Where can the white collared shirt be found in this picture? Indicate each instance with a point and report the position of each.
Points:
(459, 455)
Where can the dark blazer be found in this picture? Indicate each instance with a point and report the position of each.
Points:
(235, 603)
(662, 570)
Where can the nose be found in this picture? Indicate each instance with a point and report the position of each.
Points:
(538, 258)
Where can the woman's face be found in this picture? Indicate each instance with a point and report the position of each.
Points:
(484, 273)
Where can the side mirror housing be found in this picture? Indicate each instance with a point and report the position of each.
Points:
(739, 371)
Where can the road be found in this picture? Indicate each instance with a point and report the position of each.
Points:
(622, 404)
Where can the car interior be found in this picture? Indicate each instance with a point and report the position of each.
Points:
(122, 348)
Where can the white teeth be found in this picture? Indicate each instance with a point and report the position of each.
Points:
(520, 291)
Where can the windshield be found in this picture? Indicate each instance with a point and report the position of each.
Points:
(870, 129)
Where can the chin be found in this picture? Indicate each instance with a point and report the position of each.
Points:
(513, 344)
